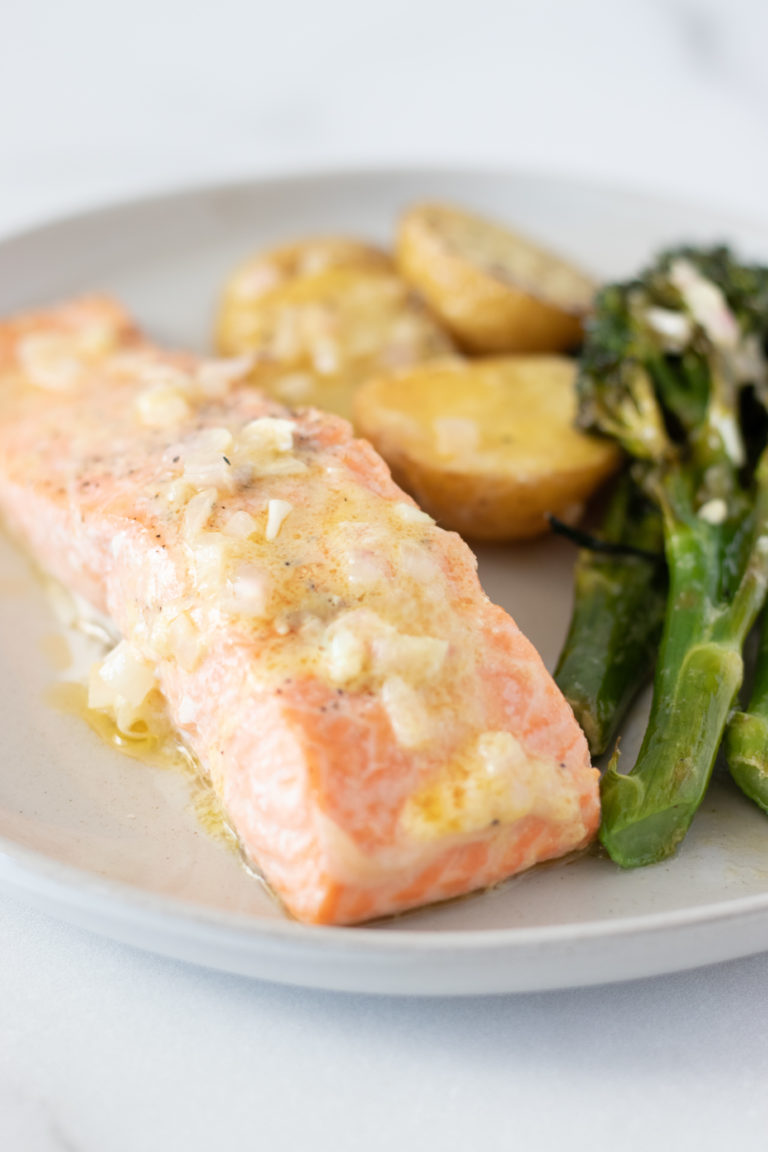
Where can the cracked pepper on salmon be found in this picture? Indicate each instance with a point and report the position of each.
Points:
(379, 734)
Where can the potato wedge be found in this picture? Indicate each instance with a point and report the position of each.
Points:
(494, 290)
(266, 271)
(329, 332)
(487, 447)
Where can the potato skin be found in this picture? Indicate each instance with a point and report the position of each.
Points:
(494, 290)
(487, 447)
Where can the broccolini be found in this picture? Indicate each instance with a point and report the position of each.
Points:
(665, 364)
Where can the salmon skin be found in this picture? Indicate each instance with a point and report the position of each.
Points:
(380, 735)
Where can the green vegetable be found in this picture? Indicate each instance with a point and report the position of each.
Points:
(618, 609)
(746, 744)
(666, 360)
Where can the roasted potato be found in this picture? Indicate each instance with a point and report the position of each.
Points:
(487, 447)
(328, 332)
(494, 290)
(266, 271)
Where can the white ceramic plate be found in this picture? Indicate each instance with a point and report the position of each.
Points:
(114, 845)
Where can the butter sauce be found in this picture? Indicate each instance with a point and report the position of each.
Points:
(151, 740)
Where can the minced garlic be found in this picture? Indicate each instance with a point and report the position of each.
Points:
(411, 721)
(495, 780)
(277, 511)
(121, 683)
(162, 407)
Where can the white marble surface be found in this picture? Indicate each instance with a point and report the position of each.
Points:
(103, 1049)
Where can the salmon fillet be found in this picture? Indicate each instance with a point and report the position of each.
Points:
(379, 734)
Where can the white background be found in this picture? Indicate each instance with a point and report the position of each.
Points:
(103, 1048)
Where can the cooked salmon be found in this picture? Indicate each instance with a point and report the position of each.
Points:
(378, 732)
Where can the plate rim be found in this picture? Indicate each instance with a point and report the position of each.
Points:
(56, 875)
(203, 186)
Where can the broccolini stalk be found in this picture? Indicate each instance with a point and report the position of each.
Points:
(746, 743)
(618, 609)
(647, 812)
(665, 361)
